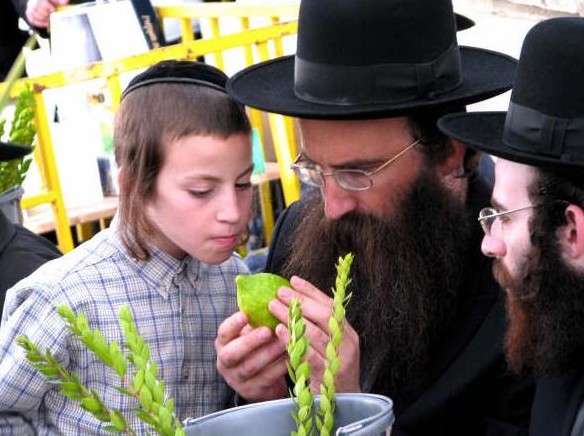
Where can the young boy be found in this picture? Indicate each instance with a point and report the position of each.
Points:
(184, 151)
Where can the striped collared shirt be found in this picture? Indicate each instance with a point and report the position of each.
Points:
(177, 306)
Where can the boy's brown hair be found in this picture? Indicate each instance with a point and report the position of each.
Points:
(170, 101)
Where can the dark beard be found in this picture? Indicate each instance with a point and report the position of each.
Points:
(545, 306)
(406, 275)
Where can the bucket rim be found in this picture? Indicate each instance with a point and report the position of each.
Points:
(387, 415)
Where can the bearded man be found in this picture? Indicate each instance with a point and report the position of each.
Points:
(535, 229)
(426, 319)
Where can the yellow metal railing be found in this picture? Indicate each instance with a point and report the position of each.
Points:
(258, 44)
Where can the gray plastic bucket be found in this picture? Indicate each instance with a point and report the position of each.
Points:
(356, 414)
(10, 204)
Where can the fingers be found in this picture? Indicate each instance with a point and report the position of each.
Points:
(316, 311)
(230, 328)
(316, 336)
(234, 353)
(252, 361)
(317, 360)
(316, 307)
(307, 289)
(279, 310)
(262, 357)
(282, 333)
(305, 292)
(348, 379)
(268, 384)
(237, 373)
(38, 11)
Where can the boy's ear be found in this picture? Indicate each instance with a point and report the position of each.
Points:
(121, 171)
(572, 236)
(454, 163)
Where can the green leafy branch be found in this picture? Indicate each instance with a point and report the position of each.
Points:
(299, 369)
(325, 416)
(22, 132)
(156, 409)
(70, 385)
(22, 129)
(144, 386)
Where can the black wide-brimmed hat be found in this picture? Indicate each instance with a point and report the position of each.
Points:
(544, 125)
(373, 58)
(12, 151)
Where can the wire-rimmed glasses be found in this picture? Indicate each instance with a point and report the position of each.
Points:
(488, 216)
(350, 179)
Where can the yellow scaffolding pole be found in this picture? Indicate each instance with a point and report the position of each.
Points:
(189, 49)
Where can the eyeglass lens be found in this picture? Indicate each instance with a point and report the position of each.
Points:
(487, 217)
(348, 179)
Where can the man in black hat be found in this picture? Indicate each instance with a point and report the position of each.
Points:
(21, 251)
(535, 227)
(426, 319)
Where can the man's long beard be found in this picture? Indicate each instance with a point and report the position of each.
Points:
(545, 307)
(406, 274)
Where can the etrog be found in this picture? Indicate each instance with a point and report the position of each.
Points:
(254, 292)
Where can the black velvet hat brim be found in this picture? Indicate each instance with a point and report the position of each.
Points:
(269, 86)
(484, 131)
(12, 151)
(463, 22)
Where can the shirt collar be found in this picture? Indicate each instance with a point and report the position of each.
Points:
(161, 270)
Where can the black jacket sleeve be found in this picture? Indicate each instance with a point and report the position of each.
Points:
(21, 253)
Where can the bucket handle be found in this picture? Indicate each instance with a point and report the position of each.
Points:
(377, 423)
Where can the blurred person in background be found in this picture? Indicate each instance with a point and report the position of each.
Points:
(21, 251)
(12, 38)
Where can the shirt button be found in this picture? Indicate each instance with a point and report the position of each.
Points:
(185, 374)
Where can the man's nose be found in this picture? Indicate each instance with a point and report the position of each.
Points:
(493, 246)
(337, 201)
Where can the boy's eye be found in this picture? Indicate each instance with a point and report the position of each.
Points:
(200, 193)
(243, 186)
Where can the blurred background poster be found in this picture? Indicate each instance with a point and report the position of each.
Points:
(95, 31)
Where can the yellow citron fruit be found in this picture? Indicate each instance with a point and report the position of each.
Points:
(254, 292)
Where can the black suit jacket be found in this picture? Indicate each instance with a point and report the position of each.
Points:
(469, 391)
(556, 405)
(21, 253)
